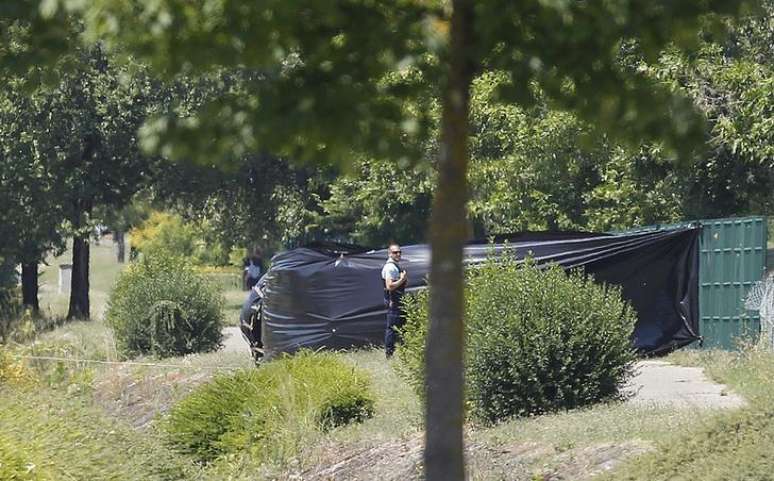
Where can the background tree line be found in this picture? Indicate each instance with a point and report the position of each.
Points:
(71, 158)
(542, 168)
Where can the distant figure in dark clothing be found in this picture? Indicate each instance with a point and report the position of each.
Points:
(253, 269)
(394, 285)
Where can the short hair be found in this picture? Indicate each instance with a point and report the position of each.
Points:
(392, 244)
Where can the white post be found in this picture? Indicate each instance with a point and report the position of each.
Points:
(65, 277)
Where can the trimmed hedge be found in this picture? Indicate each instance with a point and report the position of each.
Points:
(537, 340)
(270, 411)
(160, 306)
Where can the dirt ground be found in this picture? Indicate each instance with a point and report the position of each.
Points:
(402, 460)
(140, 397)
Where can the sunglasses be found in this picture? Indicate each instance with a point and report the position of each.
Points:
(395, 252)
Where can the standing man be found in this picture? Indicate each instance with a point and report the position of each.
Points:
(253, 268)
(394, 286)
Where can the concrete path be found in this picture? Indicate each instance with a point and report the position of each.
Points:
(233, 341)
(660, 383)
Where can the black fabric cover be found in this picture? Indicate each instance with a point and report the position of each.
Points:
(330, 296)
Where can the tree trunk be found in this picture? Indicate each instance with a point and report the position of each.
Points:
(444, 416)
(79, 284)
(120, 242)
(30, 286)
(79, 287)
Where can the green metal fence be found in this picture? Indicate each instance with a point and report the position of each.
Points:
(732, 258)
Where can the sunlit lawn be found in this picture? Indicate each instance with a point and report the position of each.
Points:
(103, 272)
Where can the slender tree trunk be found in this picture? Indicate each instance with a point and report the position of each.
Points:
(30, 286)
(120, 242)
(79, 287)
(444, 455)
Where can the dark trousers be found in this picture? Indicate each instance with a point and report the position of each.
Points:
(395, 321)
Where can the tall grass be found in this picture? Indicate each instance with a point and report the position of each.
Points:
(49, 435)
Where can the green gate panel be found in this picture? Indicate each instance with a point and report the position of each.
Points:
(732, 257)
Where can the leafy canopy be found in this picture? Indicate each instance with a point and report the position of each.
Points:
(311, 62)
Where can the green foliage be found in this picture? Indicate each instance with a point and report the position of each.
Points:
(164, 234)
(69, 148)
(31, 220)
(411, 353)
(730, 80)
(635, 189)
(160, 306)
(338, 70)
(570, 50)
(530, 167)
(14, 464)
(379, 201)
(272, 410)
(31, 35)
(537, 340)
(168, 234)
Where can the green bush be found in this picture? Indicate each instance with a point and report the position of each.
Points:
(272, 410)
(537, 340)
(165, 234)
(160, 306)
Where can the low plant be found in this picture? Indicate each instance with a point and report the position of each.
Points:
(160, 306)
(270, 411)
(13, 372)
(15, 466)
(538, 339)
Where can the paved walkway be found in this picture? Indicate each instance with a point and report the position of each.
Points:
(660, 383)
(233, 341)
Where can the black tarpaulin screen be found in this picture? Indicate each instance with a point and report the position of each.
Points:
(330, 296)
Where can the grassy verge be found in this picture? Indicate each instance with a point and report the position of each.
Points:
(734, 445)
(388, 445)
(49, 435)
(567, 445)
